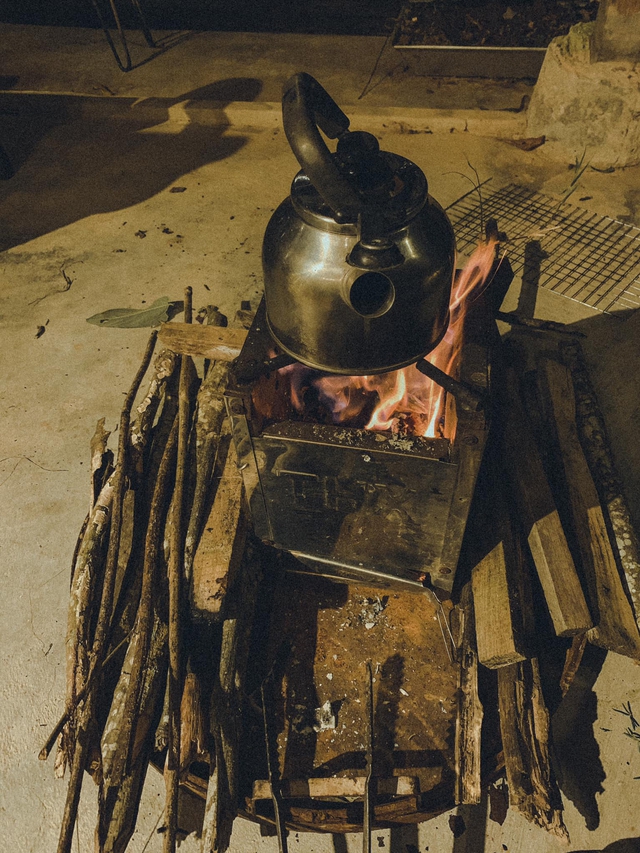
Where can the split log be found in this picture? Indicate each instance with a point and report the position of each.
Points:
(470, 710)
(541, 522)
(593, 438)
(222, 544)
(615, 625)
(214, 342)
(503, 609)
(524, 725)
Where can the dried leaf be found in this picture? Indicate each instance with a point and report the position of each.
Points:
(137, 318)
(528, 144)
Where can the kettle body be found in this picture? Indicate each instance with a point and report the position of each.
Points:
(357, 280)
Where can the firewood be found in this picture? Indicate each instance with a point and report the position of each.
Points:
(209, 418)
(164, 366)
(99, 645)
(120, 730)
(470, 710)
(225, 711)
(176, 574)
(214, 342)
(193, 724)
(502, 609)
(101, 459)
(118, 805)
(222, 543)
(572, 661)
(541, 522)
(615, 625)
(524, 725)
(593, 438)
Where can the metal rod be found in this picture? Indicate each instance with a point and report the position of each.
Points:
(469, 398)
(367, 820)
(273, 775)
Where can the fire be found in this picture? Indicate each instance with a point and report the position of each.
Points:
(402, 401)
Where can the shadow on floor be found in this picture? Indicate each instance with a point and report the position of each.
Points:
(69, 165)
(625, 845)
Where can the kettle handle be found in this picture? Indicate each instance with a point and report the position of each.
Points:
(306, 106)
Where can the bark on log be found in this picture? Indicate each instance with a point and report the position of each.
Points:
(615, 626)
(122, 725)
(524, 724)
(595, 444)
(470, 711)
(176, 582)
(547, 541)
(98, 648)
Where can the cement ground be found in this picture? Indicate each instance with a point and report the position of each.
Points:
(96, 154)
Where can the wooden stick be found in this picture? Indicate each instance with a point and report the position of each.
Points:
(226, 706)
(104, 614)
(547, 541)
(572, 661)
(470, 710)
(101, 459)
(221, 546)
(119, 734)
(214, 342)
(176, 572)
(615, 625)
(524, 724)
(210, 415)
(164, 366)
(118, 805)
(595, 444)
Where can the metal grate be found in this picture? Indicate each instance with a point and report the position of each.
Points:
(590, 258)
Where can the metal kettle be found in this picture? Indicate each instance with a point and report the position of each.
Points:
(358, 262)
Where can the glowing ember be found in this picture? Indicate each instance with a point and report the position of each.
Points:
(403, 401)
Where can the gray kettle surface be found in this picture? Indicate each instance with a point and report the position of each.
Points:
(358, 262)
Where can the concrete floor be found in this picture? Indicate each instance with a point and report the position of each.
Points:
(97, 153)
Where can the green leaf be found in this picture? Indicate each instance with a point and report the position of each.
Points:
(137, 318)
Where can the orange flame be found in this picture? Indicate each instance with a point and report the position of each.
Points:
(401, 400)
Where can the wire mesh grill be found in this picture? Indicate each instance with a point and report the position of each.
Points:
(579, 254)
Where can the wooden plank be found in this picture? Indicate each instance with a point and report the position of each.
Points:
(547, 541)
(615, 625)
(524, 725)
(470, 710)
(499, 600)
(221, 545)
(338, 786)
(595, 444)
(214, 342)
